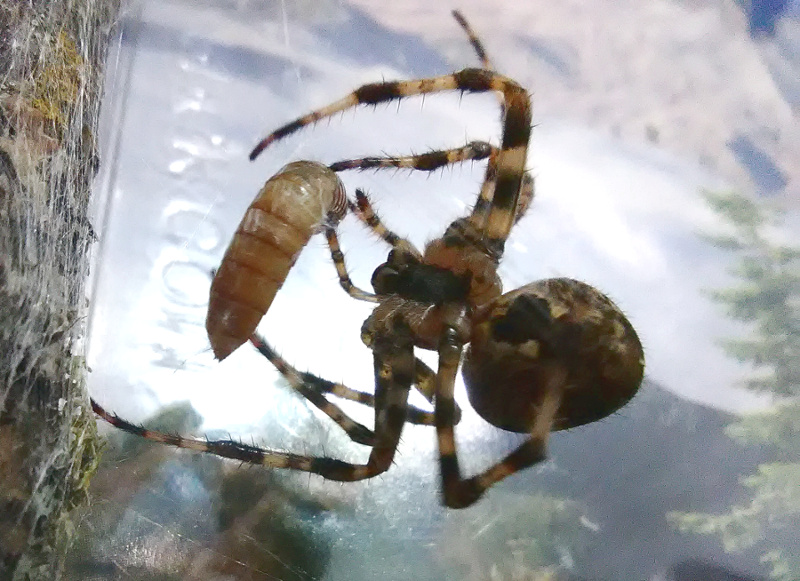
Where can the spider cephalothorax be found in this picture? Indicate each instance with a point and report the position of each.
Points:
(548, 356)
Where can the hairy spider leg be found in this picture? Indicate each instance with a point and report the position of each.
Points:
(433, 160)
(366, 213)
(459, 492)
(394, 367)
(511, 157)
(424, 382)
(394, 371)
(474, 151)
(482, 206)
(302, 383)
(341, 268)
(429, 161)
(476, 43)
(312, 387)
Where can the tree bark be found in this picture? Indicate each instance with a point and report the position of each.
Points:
(52, 55)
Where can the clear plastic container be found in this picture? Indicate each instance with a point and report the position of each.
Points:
(196, 86)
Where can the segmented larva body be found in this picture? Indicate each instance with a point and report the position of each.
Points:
(288, 210)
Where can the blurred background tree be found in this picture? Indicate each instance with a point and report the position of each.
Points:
(767, 297)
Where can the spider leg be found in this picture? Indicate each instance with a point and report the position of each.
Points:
(450, 349)
(302, 382)
(344, 278)
(468, 80)
(525, 196)
(433, 160)
(425, 382)
(394, 364)
(480, 211)
(510, 159)
(532, 450)
(394, 370)
(329, 468)
(507, 172)
(308, 386)
(476, 43)
(430, 161)
(366, 213)
(483, 205)
(461, 492)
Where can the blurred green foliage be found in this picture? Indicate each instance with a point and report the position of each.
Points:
(767, 297)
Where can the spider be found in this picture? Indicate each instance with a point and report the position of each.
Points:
(548, 356)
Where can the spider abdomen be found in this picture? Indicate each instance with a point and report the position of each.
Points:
(278, 224)
(555, 334)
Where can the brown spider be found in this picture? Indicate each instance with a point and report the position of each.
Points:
(548, 356)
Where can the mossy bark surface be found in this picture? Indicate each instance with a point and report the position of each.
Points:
(52, 56)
